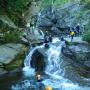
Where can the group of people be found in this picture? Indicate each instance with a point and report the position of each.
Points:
(74, 31)
(47, 40)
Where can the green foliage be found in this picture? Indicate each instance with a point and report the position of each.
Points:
(18, 5)
(14, 5)
(61, 2)
(17, 19)
(56, 3)
(86, 3)
(46, 3)
(12, 16)
(86, 36)
(12, 36)
(14, 9)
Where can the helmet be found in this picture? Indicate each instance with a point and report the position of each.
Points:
(28, 25)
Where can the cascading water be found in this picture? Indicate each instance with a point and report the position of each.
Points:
(53, 59)
(56, 80)
(28, 71)
(53, 71)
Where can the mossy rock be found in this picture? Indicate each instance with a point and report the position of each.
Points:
(18, 61)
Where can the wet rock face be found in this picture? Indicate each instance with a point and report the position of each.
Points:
(79, 52)
(32, 35)
(8, 52)
(78, 56)
(47, 17)
(82, 53)
(11, 57)
(61, 18)
(49, 20)
(37, 61)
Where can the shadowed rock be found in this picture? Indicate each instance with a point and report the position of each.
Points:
(37, 61)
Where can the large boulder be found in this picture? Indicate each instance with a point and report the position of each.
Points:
(8, 52)
(11, 56)
(78, 56)
(44, 22)
(82, 53)
(55, 30)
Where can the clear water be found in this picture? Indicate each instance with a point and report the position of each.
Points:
(53, 76)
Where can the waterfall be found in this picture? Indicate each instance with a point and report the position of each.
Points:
(52, 69)
(53, 65)
(56, 80)
(27, 70)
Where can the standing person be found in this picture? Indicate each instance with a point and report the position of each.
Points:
(68, 30)
(50, 38)
(74, 30)
(78, 29)
(72, 34)
(46, 37)
(46, 40)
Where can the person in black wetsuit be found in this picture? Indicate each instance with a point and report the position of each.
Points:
(66, 42)
(46, 40)
(39, 80)
(78, 29)
(50, 38)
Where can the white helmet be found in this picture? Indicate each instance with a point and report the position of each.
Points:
(28, 25)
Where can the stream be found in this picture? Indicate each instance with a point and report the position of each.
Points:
(53, 77)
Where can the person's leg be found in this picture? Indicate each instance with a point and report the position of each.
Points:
(71, 38)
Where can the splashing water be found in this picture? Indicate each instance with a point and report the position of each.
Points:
(27, 70)
(53, 70)
(56, 80)
(53, 65)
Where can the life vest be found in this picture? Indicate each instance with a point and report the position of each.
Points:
(48, 88)
(72, 33)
